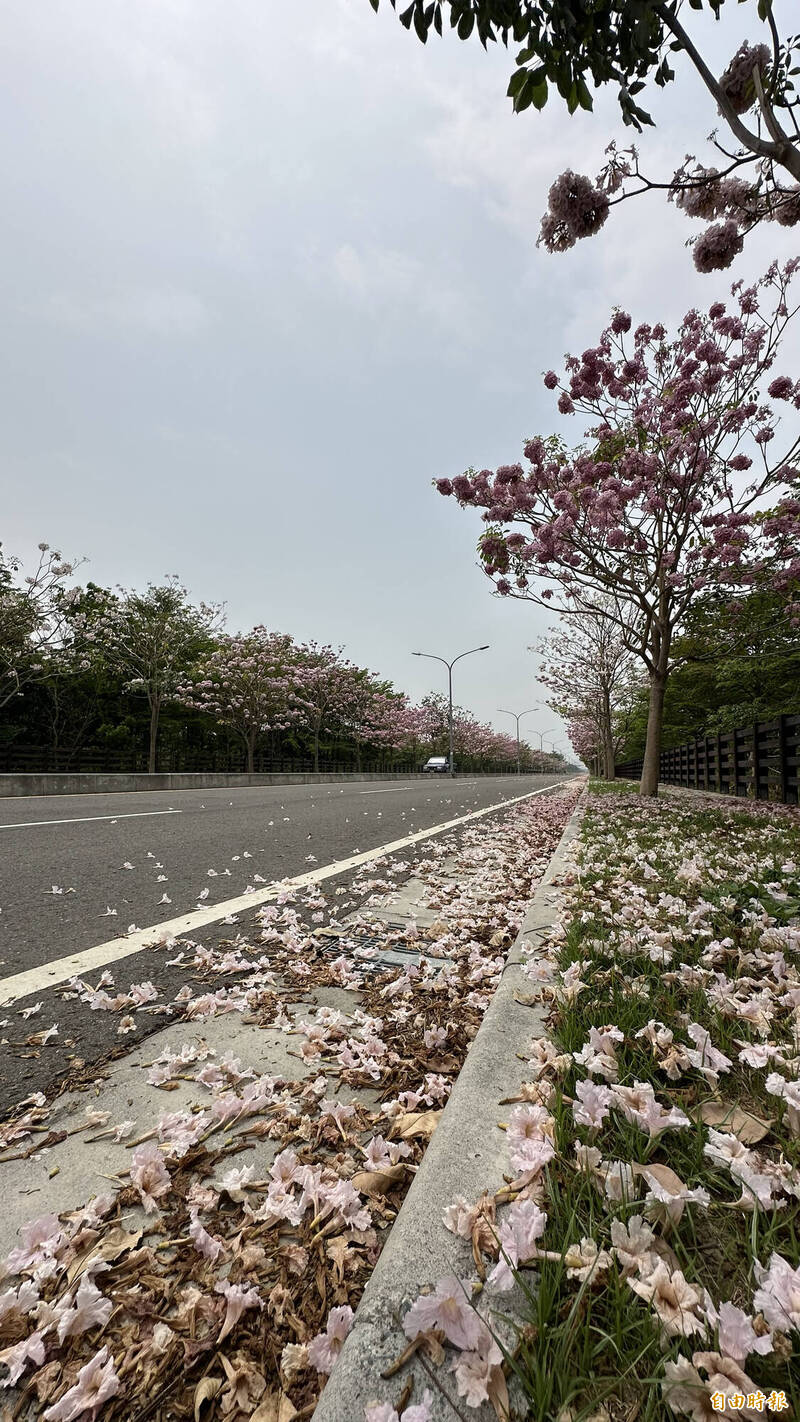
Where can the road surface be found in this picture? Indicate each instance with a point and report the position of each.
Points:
(77, 871)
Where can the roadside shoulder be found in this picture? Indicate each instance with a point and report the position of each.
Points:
(467, 1156)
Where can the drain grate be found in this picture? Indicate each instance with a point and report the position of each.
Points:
(393, 955)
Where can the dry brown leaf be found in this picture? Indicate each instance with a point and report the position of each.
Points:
(204, 1395)
(416, 1123)
(115, 1242)
(743, 1124)
(377, 1182)
(275, 1407)
(431, 1340)
(501, 938)
(497, 1390)
(663, 1175)
(338, 1251)
(435, 929)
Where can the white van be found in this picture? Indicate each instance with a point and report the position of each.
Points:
(437, 765)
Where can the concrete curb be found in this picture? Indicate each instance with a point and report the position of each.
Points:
(466, 1156)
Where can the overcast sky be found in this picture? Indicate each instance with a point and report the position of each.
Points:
(268, 268)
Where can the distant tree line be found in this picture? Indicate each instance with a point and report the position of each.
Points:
(152, 678)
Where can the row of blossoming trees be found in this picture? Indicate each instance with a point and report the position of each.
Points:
(686, 485)
(73, 658)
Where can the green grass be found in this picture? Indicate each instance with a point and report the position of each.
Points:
(582, 1347)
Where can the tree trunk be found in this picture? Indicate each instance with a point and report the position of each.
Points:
(155, 707)
(251, 751)
(316, 746)
(652, 750)
(609, 769)
(358, 755)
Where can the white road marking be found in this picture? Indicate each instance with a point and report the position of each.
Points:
(20, 985)
(398, 788)
(85, 819)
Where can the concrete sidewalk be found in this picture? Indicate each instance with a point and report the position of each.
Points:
(466, 1156)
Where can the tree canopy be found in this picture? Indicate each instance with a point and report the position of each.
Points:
(566, 45)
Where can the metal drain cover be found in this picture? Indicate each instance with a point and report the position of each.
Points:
(387, 955)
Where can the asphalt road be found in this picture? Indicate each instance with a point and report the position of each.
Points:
(66, 861)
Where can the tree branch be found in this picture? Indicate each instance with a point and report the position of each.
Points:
(781, 151)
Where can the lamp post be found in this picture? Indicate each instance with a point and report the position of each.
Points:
(541, 735)
(450, 666)
(518, 718)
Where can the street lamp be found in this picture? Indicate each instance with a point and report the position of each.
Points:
(450, 666)
(518, 718)
(541, 735)
(552, 745)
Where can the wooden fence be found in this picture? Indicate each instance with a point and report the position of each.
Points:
(759, 761)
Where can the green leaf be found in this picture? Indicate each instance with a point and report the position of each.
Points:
(539, 95)
(420, 26)
(466, 25)
(375, 4)
(437, 19)
(522, 99)
(584, 97)
(516, 82)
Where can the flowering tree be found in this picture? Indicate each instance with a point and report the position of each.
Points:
(152, 638)
(657, 507)
(375, 714)
(624, 44)
(470, 736)
(33, 618)
(588, 668)
(248, 682)
(324, 681)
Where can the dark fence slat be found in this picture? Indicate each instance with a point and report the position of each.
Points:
(760, 761)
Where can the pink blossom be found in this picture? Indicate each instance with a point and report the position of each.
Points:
(237, 1299)
(17, 1357)
(737, 1337)
(778, 1294)
(204, 1243)
(40, 1239)
(97, 1382)
(150, 1175)
(324, 1349)
(376, 1154)
(91, 1310)
(592, 1105)
(447, 1308)
(474, 1370)
(639, 1105)
(21, 1300)
(524, 1225)
(632, 1244)
(235, 1181)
